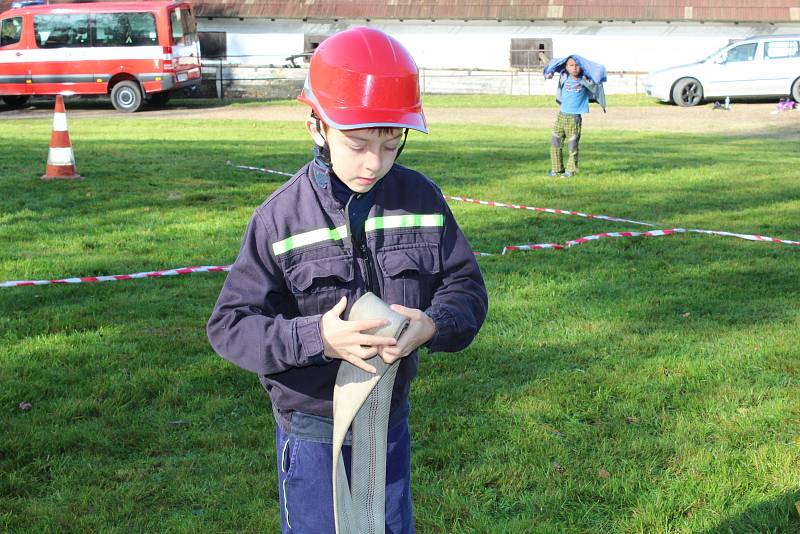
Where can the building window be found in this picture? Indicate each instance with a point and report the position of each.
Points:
(213, 45)
(531, 53)
(311, 44)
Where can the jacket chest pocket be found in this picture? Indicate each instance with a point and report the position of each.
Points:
(410, 273)
(317, 285)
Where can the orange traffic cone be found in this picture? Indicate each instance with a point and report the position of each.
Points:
(60, 158)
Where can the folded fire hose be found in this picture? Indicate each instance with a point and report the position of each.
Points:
(362, 400)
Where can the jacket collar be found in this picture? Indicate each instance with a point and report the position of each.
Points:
(320, 170)
(321, 176)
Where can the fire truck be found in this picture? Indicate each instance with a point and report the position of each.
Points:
(135, 52)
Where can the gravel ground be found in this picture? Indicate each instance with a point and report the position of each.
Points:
(743, 119)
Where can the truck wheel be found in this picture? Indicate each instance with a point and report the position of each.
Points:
(16, 101)
(796, 90)
(126, 96)
(687, 92)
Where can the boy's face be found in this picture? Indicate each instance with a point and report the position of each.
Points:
(572, 68)
(360, 157)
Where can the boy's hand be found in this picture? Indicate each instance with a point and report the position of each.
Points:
(421, 328)
(550, 76)
(343, 339)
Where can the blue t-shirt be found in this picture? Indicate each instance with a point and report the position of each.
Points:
(574, 97)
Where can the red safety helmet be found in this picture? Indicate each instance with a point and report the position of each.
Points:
(363, 78)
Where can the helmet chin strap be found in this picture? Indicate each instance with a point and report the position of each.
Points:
(325, 150)
(402, 145)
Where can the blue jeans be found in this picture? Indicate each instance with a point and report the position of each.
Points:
(306, 490)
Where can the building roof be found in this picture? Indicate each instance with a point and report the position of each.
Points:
(504, 10)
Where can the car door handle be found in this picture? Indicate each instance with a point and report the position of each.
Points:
(19, 54)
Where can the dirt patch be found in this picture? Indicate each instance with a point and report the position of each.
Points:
(742, 119)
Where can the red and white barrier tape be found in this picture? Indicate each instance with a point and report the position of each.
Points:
(652, 233)
(118, 277)
(509, 248)
(260, 169)
(545, 210)
(543, 246)
(749, 237)
(490, 202)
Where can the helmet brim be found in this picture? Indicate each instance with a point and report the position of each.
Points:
(349, 118)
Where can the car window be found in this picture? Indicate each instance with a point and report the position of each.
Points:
(57, 31)
(189, 26)
(745, 52)
(177, 26)
(781, 49)
(10, 31)
(125, 29)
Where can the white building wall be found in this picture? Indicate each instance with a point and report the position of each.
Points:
(620, 46)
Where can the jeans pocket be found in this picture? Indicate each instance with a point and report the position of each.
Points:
(288, 459)
(289, 456)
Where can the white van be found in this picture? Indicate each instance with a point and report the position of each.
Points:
(755, 67)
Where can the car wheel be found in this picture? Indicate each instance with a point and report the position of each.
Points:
(158, 99)
(796, 90)
(126, 96)
(16, 101)
(687, 92)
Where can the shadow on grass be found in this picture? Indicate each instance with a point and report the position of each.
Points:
(776, 516)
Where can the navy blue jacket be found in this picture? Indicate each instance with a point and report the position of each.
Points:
(298, 259)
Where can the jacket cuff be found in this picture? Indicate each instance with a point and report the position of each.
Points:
(309, 341)
(445, 327)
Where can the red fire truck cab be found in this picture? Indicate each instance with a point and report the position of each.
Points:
(132, 51)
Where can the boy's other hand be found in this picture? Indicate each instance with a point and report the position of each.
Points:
(550, 76)
(344, 340)
(421, 328)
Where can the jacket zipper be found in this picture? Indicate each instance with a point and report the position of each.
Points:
(372, 281)
(360, 251)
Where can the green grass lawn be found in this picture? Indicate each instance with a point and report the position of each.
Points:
(629, 385)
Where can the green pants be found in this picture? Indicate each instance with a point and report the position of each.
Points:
(566, 127)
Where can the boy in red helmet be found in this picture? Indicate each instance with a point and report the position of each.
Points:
(350, 221)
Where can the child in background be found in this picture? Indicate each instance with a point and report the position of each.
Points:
(573, 93)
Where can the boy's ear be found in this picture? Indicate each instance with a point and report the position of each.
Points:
(315, 134)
